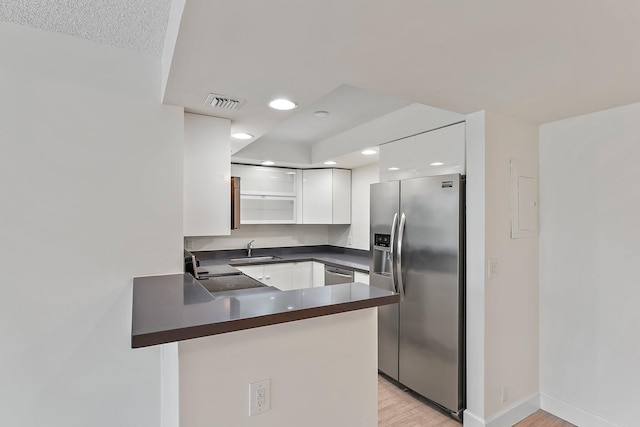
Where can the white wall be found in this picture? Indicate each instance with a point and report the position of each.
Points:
(475, 285)
(91, 185)
(589, 251)
(511, 298)
(265, 236)
(323, 372)
(361, 179)
(502, 312)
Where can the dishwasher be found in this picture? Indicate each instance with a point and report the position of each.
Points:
(336, 275)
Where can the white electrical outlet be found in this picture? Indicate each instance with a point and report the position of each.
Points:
(350, 240)
(504, 396)
(259, 397)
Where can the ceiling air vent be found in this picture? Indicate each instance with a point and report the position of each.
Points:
(225, 102)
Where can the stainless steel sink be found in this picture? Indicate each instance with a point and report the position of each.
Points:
(255, 258)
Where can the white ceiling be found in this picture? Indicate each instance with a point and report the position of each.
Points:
(138, 25)
(539, 60)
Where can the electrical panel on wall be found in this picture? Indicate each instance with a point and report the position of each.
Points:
(524, 199)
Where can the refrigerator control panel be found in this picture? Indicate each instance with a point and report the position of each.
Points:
(383, 240)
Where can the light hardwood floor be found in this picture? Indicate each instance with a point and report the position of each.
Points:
(397, 408)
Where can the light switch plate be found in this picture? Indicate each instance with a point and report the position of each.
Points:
(492, 268)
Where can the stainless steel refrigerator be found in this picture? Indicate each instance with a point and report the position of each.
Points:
(417, 249)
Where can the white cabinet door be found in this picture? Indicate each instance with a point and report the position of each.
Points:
(437, 152)
(206, 182)
(261, 180)
(318, 274)
(284, 276)
(279, 275)
(302, 276)
(360, 277)
(268, 195)
(326, 196)
(253, 271)
(341, 196)
(317, 189)
(267, 209)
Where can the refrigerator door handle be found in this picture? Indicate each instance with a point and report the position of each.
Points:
(403, 221)
(392, 268)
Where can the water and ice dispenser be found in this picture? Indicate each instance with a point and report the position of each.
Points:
(381, 254)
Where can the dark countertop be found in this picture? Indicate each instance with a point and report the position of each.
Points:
(219, 262)
(177, 307)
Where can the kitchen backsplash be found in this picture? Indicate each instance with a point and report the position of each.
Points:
(265, 236)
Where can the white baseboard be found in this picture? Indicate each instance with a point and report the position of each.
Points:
(573, 414)
(469, 419)
(516, 412)
(508, 416)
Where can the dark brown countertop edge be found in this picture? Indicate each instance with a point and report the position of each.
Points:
(164, 337)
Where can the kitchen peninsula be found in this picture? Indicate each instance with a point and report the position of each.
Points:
(316, 346)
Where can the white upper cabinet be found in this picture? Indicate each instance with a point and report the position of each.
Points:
(437, 152)
(268, 195)
(261, 180)
(268, 209)
(207, 186)
(326, 196)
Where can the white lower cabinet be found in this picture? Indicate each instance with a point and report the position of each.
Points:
(284, 276)
(361, 277)
(253, 271)
(318, 274)
(293, 275)
(279, 275)
(302, 273)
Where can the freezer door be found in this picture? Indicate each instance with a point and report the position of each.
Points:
(385, 198)
(431, 314)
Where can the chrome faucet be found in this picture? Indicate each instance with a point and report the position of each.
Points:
(249, 248)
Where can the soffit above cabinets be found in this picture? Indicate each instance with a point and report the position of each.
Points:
(539, 61)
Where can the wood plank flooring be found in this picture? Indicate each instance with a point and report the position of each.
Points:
(397, 408)
(543, 419)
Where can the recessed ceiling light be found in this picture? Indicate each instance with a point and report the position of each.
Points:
(321, 113)
(330, 162)
(368, 152)
(282, 104)
(268, 163)
(393, 169)
(436, 164)
(241, 135)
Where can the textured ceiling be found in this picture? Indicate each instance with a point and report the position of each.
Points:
(138, 25)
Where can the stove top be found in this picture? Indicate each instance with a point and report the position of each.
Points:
(230, 283)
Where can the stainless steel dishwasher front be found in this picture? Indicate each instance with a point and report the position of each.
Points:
(336, 275)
